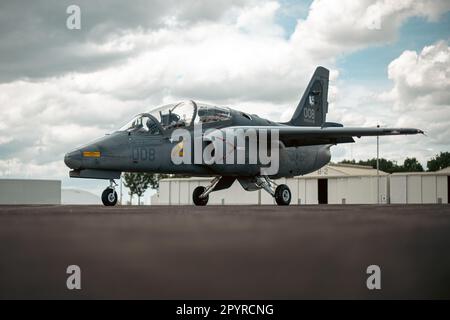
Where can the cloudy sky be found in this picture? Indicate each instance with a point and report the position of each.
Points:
(390, 63)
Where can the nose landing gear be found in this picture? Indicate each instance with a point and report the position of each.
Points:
(109, 195)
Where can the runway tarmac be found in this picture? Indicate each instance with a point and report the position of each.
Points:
(225, 252)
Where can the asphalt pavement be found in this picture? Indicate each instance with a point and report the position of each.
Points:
(225, 252)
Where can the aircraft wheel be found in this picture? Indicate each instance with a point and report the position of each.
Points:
(109, 197)
(283, 195)
(196, 197)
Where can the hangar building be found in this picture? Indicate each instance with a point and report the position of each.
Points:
(30, 191)
(420, 187)
(333, 184)
(76, 196)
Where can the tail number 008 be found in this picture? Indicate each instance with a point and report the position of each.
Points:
(309, 113)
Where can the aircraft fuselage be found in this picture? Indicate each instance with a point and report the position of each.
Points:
(124, 151)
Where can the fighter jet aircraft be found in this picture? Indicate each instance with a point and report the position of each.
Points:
(155, 141)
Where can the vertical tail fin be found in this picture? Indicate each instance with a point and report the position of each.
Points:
(313, 107)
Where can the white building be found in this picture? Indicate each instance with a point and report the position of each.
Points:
(75, 196)
(28, 191)
(334, 184)
(420, 187)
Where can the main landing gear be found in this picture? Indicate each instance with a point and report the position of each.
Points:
(283, 195)
(281, 192)
(109, 195)
(200, 196)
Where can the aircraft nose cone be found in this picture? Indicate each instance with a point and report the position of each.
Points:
(73, 159)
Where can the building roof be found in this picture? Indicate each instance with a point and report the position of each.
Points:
(445, 170)
(26, 179)
(330, 170)
(343, 170)
(76, 196)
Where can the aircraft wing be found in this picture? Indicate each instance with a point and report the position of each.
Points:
(307, 136)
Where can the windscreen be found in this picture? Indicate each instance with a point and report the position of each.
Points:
(175, 115)
(141, 123)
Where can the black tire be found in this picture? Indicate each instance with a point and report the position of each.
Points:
(283, 195)
(109, 197)
(196, 197)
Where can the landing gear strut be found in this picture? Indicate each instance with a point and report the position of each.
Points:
(200, 196)
(109, 195)
(281, 192)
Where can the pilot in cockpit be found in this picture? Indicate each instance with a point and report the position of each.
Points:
(152, 126)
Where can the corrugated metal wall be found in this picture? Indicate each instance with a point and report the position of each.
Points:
(418, 188)
(17, 191)
(349, 190)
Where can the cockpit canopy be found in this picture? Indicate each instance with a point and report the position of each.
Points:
(176, 115)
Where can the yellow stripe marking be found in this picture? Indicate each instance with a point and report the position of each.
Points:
(91, 154)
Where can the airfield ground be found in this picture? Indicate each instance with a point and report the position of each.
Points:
(225, 252)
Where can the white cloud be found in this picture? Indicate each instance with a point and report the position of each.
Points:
(337, 27)
(421, 79)
(238, 56)
(422, 90)
(420, 98)
(31, 32)
(260, 20)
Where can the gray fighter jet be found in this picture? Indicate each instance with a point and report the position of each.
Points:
(147, 144)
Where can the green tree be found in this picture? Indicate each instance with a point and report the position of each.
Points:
(156, 177)
(345, 161)
(439, 162)
(412, 165)
(384, 164)
(409, 165)
(139, 182)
